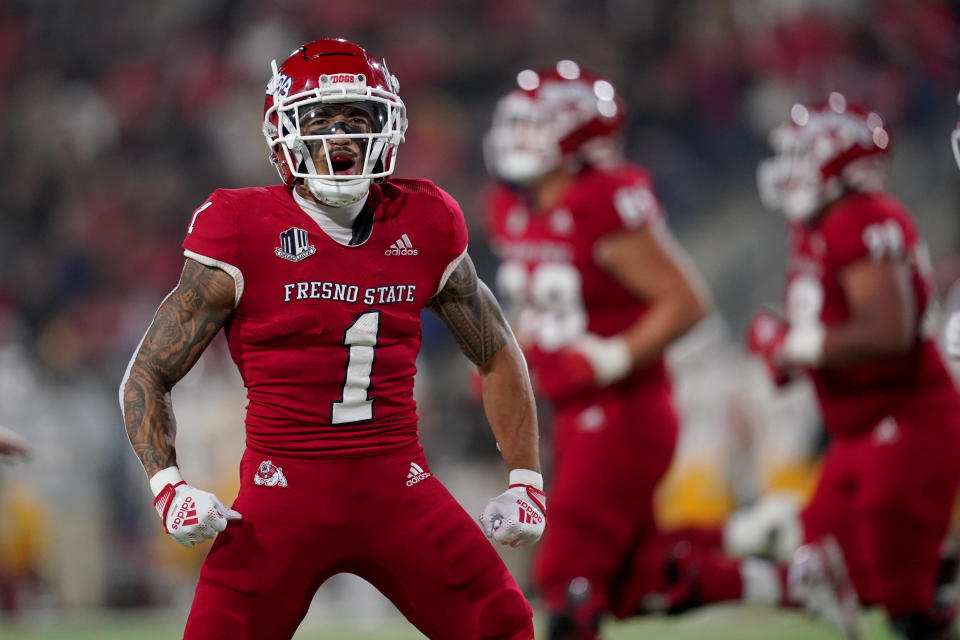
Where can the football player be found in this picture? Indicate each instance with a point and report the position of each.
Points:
(858, 289)
(952, 332)
(596, 288)
(318, 284)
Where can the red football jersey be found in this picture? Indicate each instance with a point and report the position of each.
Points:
(548, 280)
(326, 335)
(866, 227)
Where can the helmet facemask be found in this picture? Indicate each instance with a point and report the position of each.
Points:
(560, 117)
(312, 132)
(791, 181)
(522, 144)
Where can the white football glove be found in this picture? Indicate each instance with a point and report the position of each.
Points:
(189, 515)
(608, 357)
(518, 515)
(952, 335)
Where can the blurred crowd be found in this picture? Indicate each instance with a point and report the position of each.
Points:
(121, 117)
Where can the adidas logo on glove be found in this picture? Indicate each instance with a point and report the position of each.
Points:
(185, 515)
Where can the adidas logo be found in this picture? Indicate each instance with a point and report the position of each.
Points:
(402, 247)
(186, 515)
(528, 514)
(416, 474)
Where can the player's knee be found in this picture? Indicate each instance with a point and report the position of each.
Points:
(506, 615)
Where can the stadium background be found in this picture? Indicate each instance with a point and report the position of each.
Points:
(120, 117)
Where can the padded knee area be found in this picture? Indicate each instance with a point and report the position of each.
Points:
(506, 615)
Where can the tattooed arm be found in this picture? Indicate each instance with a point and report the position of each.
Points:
(472, 314)
(184, 325)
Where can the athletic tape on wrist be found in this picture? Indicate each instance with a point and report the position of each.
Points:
(170, 475)
(804, 344)
(527, 477)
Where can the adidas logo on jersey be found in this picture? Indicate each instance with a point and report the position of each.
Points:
(416, 474)
(402, 247)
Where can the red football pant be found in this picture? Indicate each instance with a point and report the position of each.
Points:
(887, 496)
(406, 536)
(608, 459)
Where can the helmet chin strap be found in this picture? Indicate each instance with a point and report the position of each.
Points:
(338, 193)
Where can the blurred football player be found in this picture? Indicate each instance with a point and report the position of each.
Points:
(596, 289)
(952, 332)
(319, 283)
(858, 289)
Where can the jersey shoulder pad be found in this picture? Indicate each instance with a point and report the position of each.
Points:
(432, 215)
(213, 229)
(868, 225)
(619, 198)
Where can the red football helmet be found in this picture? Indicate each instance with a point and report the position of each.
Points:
(324, 72)
(555, 115)
(822, 151)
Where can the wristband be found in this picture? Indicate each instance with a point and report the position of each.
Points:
(803, 344)
(526, 477)
(170, 475)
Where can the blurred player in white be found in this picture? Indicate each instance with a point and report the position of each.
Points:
(319, 284)
(596, 288)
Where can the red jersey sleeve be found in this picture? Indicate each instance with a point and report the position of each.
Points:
(454, 245)
(212, 237)
(868, 227)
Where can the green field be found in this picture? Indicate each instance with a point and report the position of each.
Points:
(714, 623)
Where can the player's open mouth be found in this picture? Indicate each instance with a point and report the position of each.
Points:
(342, 163)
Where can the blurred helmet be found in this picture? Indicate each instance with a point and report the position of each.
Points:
(325, 72)
(555, 115)
(955, 139)
(822, 151)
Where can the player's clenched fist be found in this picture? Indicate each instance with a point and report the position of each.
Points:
(189, 515)
(518, 515)
(766, 334)
(587, 363)
(784, 347)
(765, 338)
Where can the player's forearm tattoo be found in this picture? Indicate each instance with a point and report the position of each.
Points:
(472, 314)
(184, 325)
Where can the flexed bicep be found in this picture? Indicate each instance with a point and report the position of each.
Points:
(187, 320)
(185, 323)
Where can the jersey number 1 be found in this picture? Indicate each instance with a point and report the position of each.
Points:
(355, 405)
